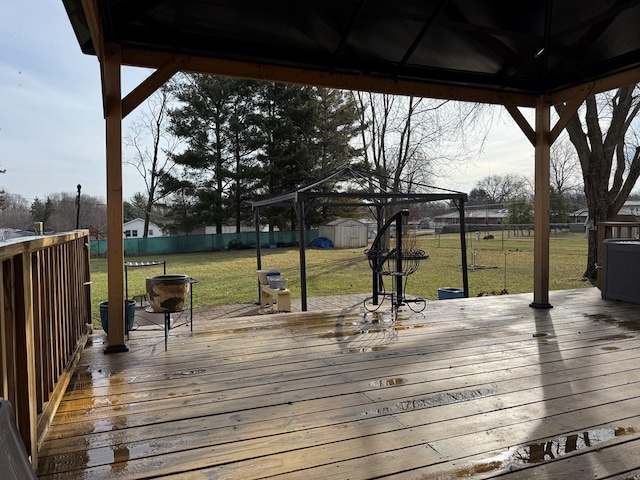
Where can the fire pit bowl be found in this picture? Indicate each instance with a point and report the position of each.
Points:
(168, 292)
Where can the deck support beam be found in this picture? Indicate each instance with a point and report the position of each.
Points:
(542, 137)
(541, 205)
(111, 66)
(115, 109)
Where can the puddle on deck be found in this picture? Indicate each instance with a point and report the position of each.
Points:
(545, 451)
(90, 377)
(294, 323)
(117, 456)
(560, 446)
(365, 333)
(633, 325)
(611, 338)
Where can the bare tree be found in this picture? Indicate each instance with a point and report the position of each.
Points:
(153, 148)
(62, 210)
(15, 212)
(565, 168)
(407, 141)
(501, 189)
(411, 140)
(604, 134)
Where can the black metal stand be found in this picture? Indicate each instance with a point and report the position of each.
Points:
(396, 263)
(167, 315)
(167, 322)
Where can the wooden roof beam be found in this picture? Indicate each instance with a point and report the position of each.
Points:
(255, 71)
(622, 79)
(94, 24)
(517, 116)
(152, 83)
(566, 115)
(573, 105)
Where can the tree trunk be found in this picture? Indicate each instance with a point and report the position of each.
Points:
(603, 161)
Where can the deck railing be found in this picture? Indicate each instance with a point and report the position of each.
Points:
(608, 230)
(45, 315)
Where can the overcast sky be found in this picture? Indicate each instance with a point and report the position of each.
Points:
(51, 125)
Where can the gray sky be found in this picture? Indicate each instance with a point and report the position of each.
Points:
(51, 125)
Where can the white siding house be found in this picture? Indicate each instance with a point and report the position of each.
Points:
(345, 233)
(135, 229)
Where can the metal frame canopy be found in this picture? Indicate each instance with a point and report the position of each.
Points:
(529, 53)
(298, 200)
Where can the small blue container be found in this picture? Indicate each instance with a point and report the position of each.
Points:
(446, 293)
(129, 315)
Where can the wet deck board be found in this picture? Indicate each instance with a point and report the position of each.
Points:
(474, 387)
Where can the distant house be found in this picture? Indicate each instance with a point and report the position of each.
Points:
(472, 216)
(211, 230)
(345, 233)
(135, 229)
(630, 212)
(579, 216)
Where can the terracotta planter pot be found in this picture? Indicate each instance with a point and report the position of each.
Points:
(168, 292)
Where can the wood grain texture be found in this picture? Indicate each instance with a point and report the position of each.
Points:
(472, 388)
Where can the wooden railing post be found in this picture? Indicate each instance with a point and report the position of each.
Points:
(27, 350)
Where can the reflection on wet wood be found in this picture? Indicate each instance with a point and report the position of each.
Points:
(470, 388)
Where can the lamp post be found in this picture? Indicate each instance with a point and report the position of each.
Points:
(78, 208)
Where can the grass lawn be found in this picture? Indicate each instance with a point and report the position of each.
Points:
(229, 277)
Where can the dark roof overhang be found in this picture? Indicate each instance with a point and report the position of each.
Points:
(475, 50)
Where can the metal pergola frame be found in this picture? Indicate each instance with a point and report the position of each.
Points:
(299, 198)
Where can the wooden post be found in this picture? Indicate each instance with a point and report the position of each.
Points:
(542, 205)
(31, 393)
(115, 254)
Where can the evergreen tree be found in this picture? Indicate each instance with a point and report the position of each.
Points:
(337, 124)
(41, 211)
(559, 207)
(520, 211)
(248, 140)
(202, 122)
(244, 141)
(135, 207)
(306, 133)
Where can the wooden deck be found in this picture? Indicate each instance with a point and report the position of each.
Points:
(479, 388)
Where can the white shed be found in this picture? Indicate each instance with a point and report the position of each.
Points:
(345, 233)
